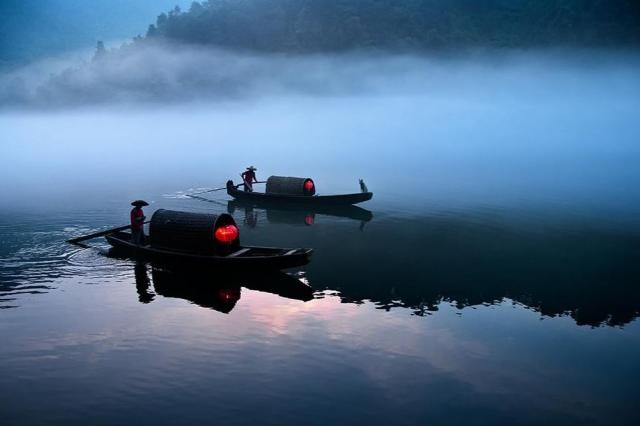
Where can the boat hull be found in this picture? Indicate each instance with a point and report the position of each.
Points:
(245, 257)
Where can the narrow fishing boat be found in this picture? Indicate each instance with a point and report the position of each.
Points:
(294, 190)
(204, 239)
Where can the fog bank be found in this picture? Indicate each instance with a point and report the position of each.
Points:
(165, 74)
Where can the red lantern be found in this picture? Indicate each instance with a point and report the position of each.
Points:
(227, 234)
(308, 185)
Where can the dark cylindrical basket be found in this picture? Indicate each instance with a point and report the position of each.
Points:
(190, 232)
(290, 186)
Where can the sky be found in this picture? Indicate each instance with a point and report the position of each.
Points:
(33, 29)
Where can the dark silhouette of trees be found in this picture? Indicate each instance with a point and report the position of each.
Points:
(196, 8)
(320, 25)
(162, 20)
(152, 31)
(100, 51)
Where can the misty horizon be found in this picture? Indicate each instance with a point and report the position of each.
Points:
(170, 73)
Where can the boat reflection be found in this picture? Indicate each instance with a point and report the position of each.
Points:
(196, 287)
(296, 214)
(209, 288)
(143, 283)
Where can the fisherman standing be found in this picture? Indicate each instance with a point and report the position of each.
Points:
(363, 186)
(248, 178)
(137, 222)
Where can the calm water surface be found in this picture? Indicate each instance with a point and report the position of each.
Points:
(493, 279)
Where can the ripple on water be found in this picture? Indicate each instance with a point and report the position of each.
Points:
(43, 257)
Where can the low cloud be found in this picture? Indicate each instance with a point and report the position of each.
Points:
(155, 73)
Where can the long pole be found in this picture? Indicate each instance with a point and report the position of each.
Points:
(224, 187)
(99, 234)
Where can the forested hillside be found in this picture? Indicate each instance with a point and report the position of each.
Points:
(35, 29)
(334, 25)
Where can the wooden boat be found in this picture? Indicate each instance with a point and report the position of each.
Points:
(309, 200)
(243, 257)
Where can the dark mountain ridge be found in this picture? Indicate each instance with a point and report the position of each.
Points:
(303, 26)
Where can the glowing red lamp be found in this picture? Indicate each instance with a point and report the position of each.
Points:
(308, 185)
(226, 234)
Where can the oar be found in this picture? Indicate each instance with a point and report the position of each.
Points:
(99, 234)
(224, 187)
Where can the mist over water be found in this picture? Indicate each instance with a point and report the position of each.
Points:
(163, 73)
(521, 128)
(492, 279)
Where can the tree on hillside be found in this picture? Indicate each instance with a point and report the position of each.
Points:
(161, 20)
(100, 51)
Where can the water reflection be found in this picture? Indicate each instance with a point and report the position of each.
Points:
(212, 289)
(564, 269)
(143, 283)
(297, 215)
(196, 288)
(551, 263)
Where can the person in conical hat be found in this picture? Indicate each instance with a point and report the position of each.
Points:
(248, 178)
(137, 222)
